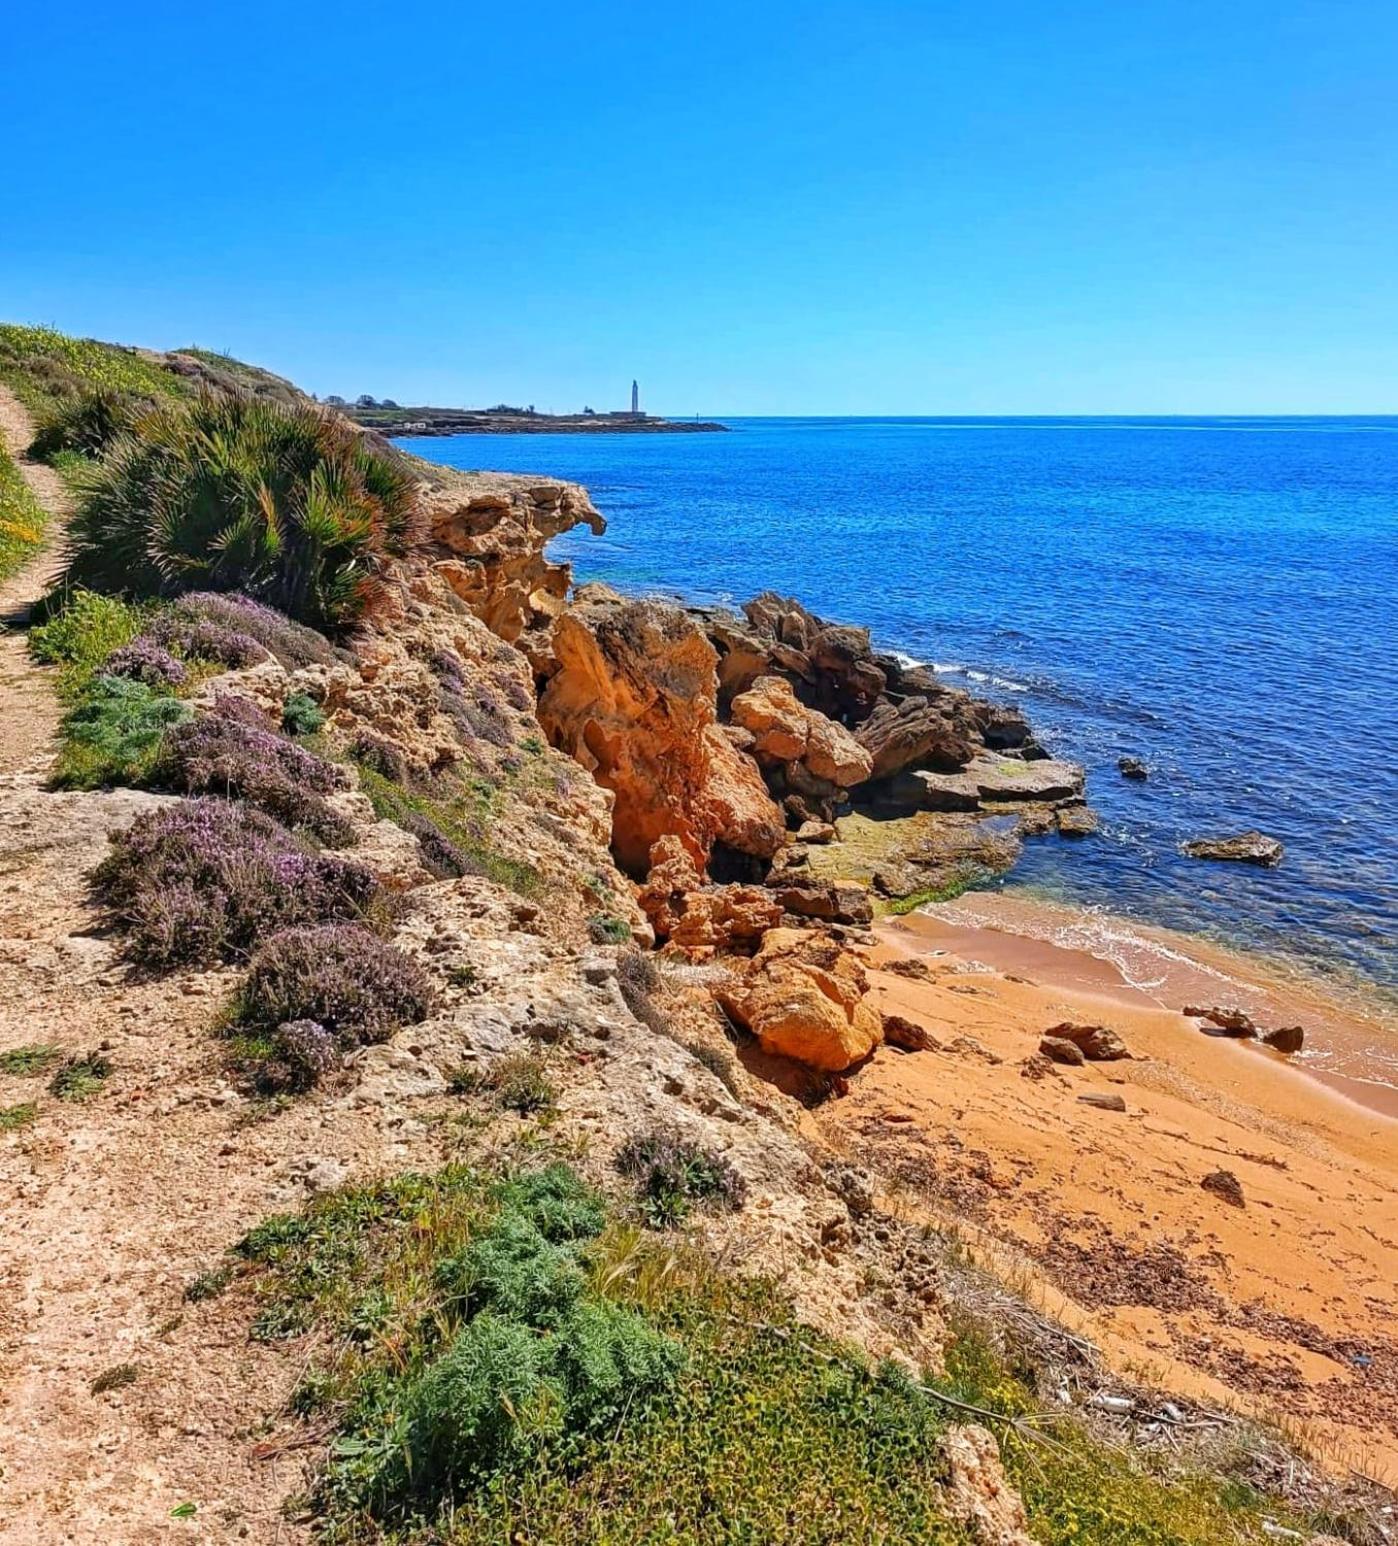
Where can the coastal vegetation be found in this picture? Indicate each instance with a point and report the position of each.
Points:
(507, 1356)
(238, 493)
(22, 518)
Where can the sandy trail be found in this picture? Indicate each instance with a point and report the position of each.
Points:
(28, 710)
(1285, 1306)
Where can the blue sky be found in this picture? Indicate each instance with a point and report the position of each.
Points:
(756, 208)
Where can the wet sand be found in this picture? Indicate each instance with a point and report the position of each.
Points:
(1284, 1307)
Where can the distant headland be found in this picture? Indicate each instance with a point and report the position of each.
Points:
(391, 419)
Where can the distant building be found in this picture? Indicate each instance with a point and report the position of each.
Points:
(635, 400)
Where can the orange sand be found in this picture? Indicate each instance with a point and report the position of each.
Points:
(1076, 1203)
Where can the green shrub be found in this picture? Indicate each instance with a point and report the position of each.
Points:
(672, 1174)
(285, 503)
(657, 1400)
(301, 714)
(521, 1083)
(80, 1078)
(81, 632)
(115, 733)
(87, 424)
(22, 517)
(608, 929)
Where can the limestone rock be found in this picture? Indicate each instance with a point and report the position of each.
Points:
(803, 997)
(786, 731)
(916, 732)
(816, 832)
(491, 530)
(992, 780)
(829, 900)
(979, 1494)
(1103, 1102)
(699, 918)
(1060, 1050)
(631, 696)
(1250, 847)
(1097, 1043)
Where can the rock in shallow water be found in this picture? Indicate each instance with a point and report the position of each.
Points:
(1133, 768)
(1246, 848)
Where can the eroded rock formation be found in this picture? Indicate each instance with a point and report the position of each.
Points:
(630, 694)
(491, 530)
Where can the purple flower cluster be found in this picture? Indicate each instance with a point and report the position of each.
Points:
(145, 660)
(206, 640)
(205, 880)
(293, 644)
(308, 1049)
(226, 753)
(342, 976)
(440, 855)
(381, 757)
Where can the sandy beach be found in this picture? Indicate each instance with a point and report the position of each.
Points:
(1283, 1306)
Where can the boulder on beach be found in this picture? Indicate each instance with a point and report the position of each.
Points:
(1232, 1022)
(1097, 1043)
(1286, 1038)
(1060, 1050)
(1246, 848)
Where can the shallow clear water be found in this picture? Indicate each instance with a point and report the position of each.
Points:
(1216, 596)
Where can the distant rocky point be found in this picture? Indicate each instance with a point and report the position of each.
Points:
(389, 419)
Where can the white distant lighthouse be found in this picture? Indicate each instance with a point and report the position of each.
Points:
(635, 401)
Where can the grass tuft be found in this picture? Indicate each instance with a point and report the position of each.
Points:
(80, 1078)
(29, 1061)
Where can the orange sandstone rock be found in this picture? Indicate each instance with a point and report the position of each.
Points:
(804, 997)
(631, 696)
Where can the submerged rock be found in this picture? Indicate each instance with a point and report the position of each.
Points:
(1246, 848)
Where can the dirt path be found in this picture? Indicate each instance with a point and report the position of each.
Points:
(28, 710)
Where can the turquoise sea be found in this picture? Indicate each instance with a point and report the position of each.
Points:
(1216, 596)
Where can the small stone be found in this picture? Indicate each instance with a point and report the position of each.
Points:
(1232, 1022)
(1036, 1067)
(1103, 1102)
(1224, 1184)
(899, 1031)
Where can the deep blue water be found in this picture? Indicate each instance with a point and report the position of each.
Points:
(1217, 596)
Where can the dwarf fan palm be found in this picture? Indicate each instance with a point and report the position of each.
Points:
(285, 503)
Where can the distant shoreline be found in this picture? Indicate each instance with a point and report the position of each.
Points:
(427, 423)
